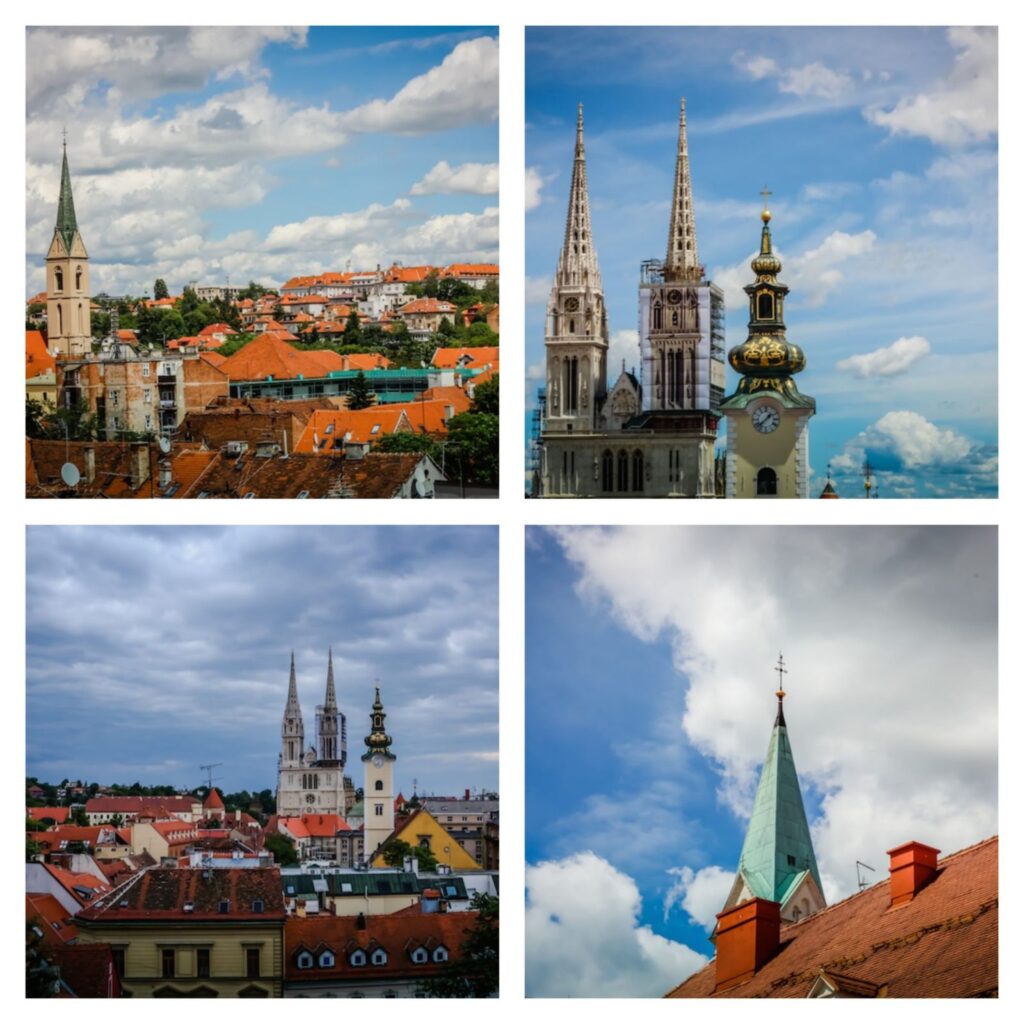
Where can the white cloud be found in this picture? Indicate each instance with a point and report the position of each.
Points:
(623, 347)
(960, 109)
(702, 894)
(809, 80)
(888, 360)
(535, 181)
(583, 936)
(890, 639)
(911, 438)
(461, 90)
(469, 179)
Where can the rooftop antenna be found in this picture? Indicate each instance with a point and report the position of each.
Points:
(208, 768)
(863, 883)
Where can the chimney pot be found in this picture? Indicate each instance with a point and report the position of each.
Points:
(911, 867)
(746, 938)
(139, 464)
(90, 464)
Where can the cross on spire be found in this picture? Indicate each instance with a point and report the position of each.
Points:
(766, 193)
(782, 670)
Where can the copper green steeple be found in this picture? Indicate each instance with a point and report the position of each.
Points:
(67, 225)
(777, 853)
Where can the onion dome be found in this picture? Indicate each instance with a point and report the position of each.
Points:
(378, 741)
(766, 262)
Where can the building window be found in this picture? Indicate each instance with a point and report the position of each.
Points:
(440, 955)
(358, 958)
(252, 963)
(167, 963)
(78, 279)
(638, 470)
(326, 958)
(145, 371)
(378, 785)
(147, 396)
(765, 306)
(304, 960)
(379, 958)
(58, 280)
(202, 963)
(378, 810)
(607, 478)
(118, 954)
(419, 955)
(767, 481)
(622, 472)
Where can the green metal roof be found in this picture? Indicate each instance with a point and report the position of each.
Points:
(778, 847)
(67, 225)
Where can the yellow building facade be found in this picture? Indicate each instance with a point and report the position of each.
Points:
(426, 832)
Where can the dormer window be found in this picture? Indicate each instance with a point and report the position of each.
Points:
(326, 958)
(379, 958)
(440, 955)
(357, 958)
(224, 906)
(257, 906)
(304, 960)
(419, 955)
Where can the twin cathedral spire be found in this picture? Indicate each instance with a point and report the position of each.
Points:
(331, 740)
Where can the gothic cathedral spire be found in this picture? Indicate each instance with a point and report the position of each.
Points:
(681, 263)
(68, 321)
(777, 862)
(292, 728)
(577, 262)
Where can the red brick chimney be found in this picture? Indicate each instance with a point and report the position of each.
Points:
(746, 938)
(911, 867)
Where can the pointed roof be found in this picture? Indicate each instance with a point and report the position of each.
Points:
(67, 225)
(577, 262)
(681, 263)
(213, 800)
(292, 706)
(331, 700)
(778, 848)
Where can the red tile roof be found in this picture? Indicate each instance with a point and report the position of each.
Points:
(943, 943)
(55, 923)
(37, 359)
(84, 887)
(329, 430)
(398, 935)
(426, 305)
(407, 275)
(471, 270)
(252, 894)
(135, 804)
(37, 298)
(269, 355)
(213, 801)
(479, 358)
(58, 814)
(212, 329)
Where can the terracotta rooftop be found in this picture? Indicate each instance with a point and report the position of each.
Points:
(87, 970)
(195, 894)
(37, 359)
(398, 935)
(213, 801)
(942, 944)
(54, 921)
(83, 886)
(472, 358)
(471, 270)
(328, 430)
(104, 804)
(270, 355)
(58, 814)
(426, 305)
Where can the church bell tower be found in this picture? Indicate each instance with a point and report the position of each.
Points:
(68, 321)
(378, 783)
(767, 444)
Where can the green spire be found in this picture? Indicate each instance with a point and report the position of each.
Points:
(778, 849)
(67, 225)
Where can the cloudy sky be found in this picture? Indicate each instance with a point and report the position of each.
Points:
(650, 703)
(880, 147)
(152, 651)
(259, 153)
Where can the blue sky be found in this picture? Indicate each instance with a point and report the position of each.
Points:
(152, 651)
(880, 148)
(263, 152)
(650, 703)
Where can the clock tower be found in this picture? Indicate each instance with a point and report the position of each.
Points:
(767, 442)
(378, 784)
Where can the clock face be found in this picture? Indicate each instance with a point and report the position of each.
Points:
(675, 297)
(571, 305)
(765, 419)
(378, 762)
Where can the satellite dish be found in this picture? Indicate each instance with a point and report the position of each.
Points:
(165, 444)
(69, 474)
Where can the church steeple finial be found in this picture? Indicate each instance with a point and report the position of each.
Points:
(331, 700)
(378, 742)
(577, 262)
(681, 262)
(67, 224)
(293, 691)
(780, 667)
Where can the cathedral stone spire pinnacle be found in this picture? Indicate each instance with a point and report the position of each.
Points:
(67, 224)
(577, 262)
(293, 691)
(331, 700)
(681, 263)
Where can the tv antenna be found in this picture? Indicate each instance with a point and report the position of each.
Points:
(863, 883)
(208, 768)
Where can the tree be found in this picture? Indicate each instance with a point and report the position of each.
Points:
(485, 397)
(352, 329)
(99, 324)
(473, 974)
(37, 824)
(360, 396)
(394, 852)
(42, 420)
(474, 436)
(117, 820)
(40, 976)
(489, 293)
(160, 289)
(282, 848)
(407, 441)
(79, 817)
(446, 329)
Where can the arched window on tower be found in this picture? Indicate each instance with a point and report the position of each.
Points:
(638, 470)
(60, 320)
(765, 306)
(657, 316)
(607, 475)
(78, 279)
(58, 279)
(767, 481)
(378, 786)
(622, 471)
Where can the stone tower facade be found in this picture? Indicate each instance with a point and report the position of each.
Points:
(68, 321)
(378, 783)
(312, 780)
(768, 418)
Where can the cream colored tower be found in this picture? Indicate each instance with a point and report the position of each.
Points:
(767, 444)
(378, 783)
(68, 323)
